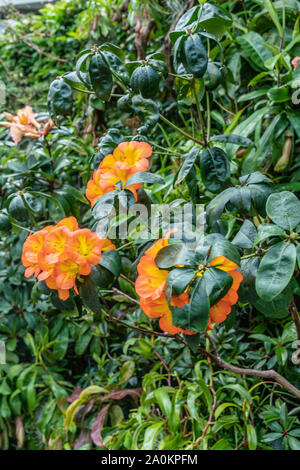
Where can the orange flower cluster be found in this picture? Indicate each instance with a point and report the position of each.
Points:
(127, 159)
(24, 124)
(58, 254)
(151, 284)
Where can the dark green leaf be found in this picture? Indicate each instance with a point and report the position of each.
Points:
(284, 209)
(215, 169)
(275, 270)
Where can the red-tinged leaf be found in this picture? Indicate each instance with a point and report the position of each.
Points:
(20, 433)
(118, 394)
(84, 438)
(75, 394)
(97, 427)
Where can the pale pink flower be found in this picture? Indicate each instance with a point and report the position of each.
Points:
(295, 62)
(24, 124)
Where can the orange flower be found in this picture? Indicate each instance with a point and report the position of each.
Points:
(219, 312)
(84, 247)
(151, 281)
(66, 273)
(55, 244)
(63, 294)
(33, 245)
(159, 308)
(151, 284)
(107, 245)
(69, 222)
(59, 254)
(127, 159)
(128, 156)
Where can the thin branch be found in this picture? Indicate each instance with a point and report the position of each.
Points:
(265, 374)
(295, 315)
(117, 291)
(210, 418)
(128, 280)
(165, 366)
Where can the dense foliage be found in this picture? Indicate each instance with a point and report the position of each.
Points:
(144, 341)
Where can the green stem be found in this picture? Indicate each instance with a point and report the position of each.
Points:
(208, 116)
(185, 134)
(249, 256)
(199, 112)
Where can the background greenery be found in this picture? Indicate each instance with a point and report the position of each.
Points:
(146, 392)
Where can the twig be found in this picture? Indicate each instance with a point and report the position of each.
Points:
(128, 280)
(117, 291)
(265, 374)
(8, 71)
(295, 315)
(210, 418)
(165, 366)
(35, 47)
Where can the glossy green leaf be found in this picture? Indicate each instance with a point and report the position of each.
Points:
(111, 261)
(215, 169)
(275, 270)
(245, 236)
(284, 209)
(265, 231)
(217, 283)
(193, 316)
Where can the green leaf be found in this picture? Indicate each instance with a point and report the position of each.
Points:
(163, 399)
(251, 437)
(217, 283)
(144, 177)
(178, 279)
(31, 393)
(225, 248)
(246, 235)
(215, 169)
(82, 342)
(265, 231)
(279, 94)
(189, 160)
(233, 139)
(61, 343)
(254, 45)
(111, 261)
(284, 209)
(273, 14)
(151, 434)
(215, 208)
(275, 270)
(89, 295)
(294, 443)
(193, 316)
(277, 308)
(175, 254)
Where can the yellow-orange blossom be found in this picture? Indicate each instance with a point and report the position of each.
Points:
(58, 254)
(126, 160)
(151, 284)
